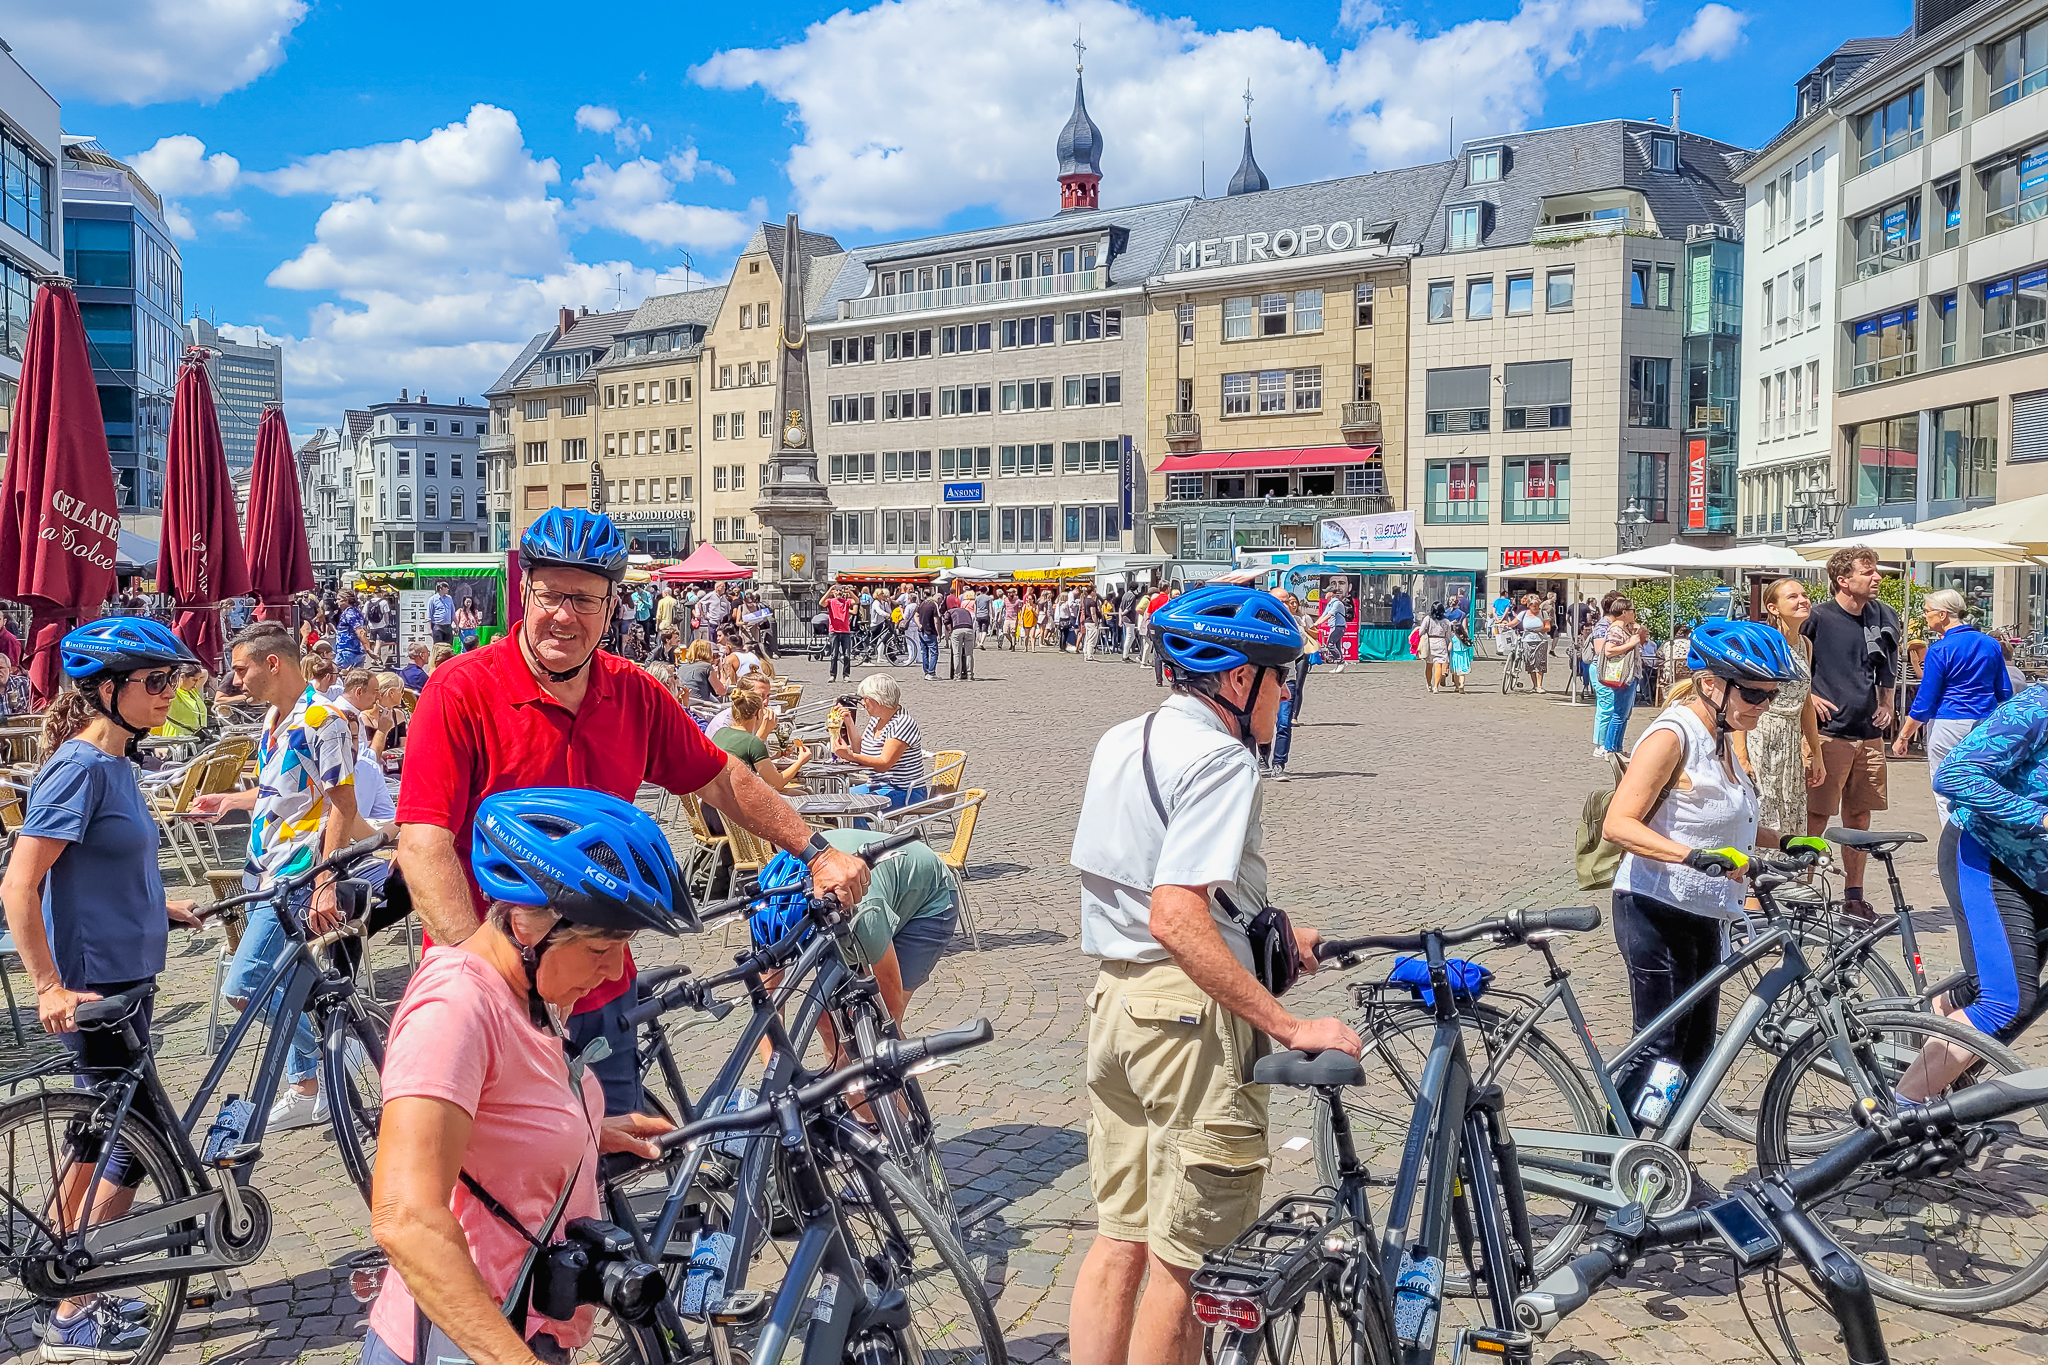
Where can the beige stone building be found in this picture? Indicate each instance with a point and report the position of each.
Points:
(1276, 364)
(543, 423)
(649, 432)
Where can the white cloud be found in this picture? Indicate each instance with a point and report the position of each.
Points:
(178, 166)
(627, 135)
(637, 198)
(178, 221)
(232, 219)
(882, 153)
(146, 51)
(1714, 33)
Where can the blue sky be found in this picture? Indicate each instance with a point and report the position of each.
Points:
(403, 193)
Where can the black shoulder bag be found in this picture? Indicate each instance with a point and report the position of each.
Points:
(1275, 952)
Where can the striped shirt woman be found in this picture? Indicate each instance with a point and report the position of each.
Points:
(891, 748)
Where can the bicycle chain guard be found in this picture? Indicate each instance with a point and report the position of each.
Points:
(1669, 1177)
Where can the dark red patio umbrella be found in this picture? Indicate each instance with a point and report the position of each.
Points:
(199, 561)
(59, 515)
(280, 561)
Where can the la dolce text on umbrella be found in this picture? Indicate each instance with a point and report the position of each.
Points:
(59, 514)
(280, 561)
(199, 561)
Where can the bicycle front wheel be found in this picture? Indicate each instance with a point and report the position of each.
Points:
(902, 1242)
(37, 1136)
(351, 1068)
(1541, 1089)
(1964, 1241)
(906, 1124)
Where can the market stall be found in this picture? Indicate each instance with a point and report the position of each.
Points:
(1389, 597)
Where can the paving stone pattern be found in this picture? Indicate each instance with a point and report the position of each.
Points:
(1404, 808)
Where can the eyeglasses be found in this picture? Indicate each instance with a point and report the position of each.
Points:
(1755, 696)
(159, 682)
(582, 603)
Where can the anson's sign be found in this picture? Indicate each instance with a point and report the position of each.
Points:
(1243, 248)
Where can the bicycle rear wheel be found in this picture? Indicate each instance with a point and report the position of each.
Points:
(1334, 1324)
(1964, 1241)
(351, 1067)
(36, 1133)
(1540, 1086)
(906, 1124)
(901, 1242)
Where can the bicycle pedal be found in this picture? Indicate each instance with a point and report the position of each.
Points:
(743, 1308)
(247, 1154)
(1494, 1344)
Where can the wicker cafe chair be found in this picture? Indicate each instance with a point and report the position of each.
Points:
(961, 809)
(707, 849)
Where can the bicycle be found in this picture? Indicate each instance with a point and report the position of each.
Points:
(1514, 675)
(1581, 1151)
(194, 1210)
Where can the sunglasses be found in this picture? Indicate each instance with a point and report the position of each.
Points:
(1755, 696)
(159, 682)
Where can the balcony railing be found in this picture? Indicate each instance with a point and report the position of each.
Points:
(494, 442)
(1617, 222)
(1361, 417)
(969, 295)
(1183, 426)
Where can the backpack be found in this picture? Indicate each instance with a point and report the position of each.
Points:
(1594, 858)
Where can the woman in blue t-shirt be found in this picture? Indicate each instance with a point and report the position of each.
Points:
(86, 905)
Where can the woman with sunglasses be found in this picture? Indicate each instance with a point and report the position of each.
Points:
(86, 905)
(1685, 795)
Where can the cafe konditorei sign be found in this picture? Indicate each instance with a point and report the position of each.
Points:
(1246, 248)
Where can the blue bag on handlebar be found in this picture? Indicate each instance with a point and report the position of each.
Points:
(782, 912)
(1469, 979)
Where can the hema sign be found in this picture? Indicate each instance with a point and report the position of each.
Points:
(1245, 247)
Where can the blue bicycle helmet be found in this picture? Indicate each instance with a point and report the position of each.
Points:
(1741, 651)
(1221, 627)
(575, 539)
(121, 644)
(782, 909)
(593, 859)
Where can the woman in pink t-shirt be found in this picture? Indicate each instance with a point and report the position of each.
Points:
(477, 1080)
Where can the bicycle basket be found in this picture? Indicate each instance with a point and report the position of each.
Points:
(1469, 979)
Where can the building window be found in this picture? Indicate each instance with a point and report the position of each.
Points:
(1237, 395)
(536, 452)
(1484, 167)
(574, 451)
(1663, 153)
(1887, 460)
(2016, 313)
(1440, 300)
(1648, 487)
(2019, 65)
(1667, 286)
(1966, 452)
(2016, 190)
(1538, 489)
(1361, 383)
(430, 504)
(1272, 392)
(1557, 290)
(718, 478)
(1237, 319)
(1455, 490)
(1363, 299)
(1461, 227)
(1891, 130)
(1888, 238)
(1639, 285)
(1945, 309)
(1886, 347)
(404, 503)
(1272, 315)
(1308, 310)
(1185, 316)
(1181, 487)
(27, 204)
(1308, 389)
(1948, 202)
(1649, 391)
(1521, 295)
(1478, 299)
(1458, 400)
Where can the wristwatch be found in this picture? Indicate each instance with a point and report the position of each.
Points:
(818, 844)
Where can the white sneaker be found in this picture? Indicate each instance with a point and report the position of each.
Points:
(1338, 669)
(295, 1109)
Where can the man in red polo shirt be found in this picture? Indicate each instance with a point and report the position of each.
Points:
(545, 707)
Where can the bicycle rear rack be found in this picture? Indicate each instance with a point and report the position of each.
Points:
(1274, 1260)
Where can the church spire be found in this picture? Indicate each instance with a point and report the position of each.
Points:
(1080, 148)
(1249, 178)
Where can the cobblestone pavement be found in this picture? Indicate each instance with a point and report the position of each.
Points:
(1405, 808)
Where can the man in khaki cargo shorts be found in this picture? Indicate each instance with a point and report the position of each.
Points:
(1856, 640)
(1170, 828)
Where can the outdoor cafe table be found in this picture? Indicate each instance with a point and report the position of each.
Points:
(831, 771)
(840, 810)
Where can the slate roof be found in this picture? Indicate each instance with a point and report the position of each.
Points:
(771, 238)
(358, 423)
(1611, 155)
(1080, 142)
(699, 306)
(1407, 197)
(1852, 59)
(527, 356)
(1249, 179)
(592, 331)
(1146, 233)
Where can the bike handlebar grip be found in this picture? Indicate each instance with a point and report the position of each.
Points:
(899, 1057)
(1993, 1099)
(880, 848)
(362, 848)
(1571, 919)
(646, 1011)
(1564, 1291)
(1818, 1178)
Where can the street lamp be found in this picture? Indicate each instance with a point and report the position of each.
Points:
(1816, 506)
(1629, 526)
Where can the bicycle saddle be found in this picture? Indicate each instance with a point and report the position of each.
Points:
(115, 1010)
(1878, 841)
(1328, 1067)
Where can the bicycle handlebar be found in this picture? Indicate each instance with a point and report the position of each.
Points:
(283, 886)
(890, 1062)
(1513, 927)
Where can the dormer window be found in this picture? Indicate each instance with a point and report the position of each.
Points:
(1484, 167)
(1462, 226)
(1664, 152)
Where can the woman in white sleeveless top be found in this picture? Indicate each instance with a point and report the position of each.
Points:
(1669, 915)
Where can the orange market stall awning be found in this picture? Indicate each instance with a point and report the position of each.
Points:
(705, 566)
(884, 575)
(1306, 457)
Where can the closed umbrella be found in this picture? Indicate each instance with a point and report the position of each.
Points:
(59, 516)
(199, 560)
(280, 561)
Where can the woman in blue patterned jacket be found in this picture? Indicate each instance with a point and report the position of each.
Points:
(1994, 867)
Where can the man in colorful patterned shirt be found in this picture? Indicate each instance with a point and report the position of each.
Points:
(302, 809)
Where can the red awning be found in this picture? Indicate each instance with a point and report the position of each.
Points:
(1309, 456)
(704, 566)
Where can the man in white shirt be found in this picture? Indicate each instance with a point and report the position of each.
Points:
(1168, 848)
